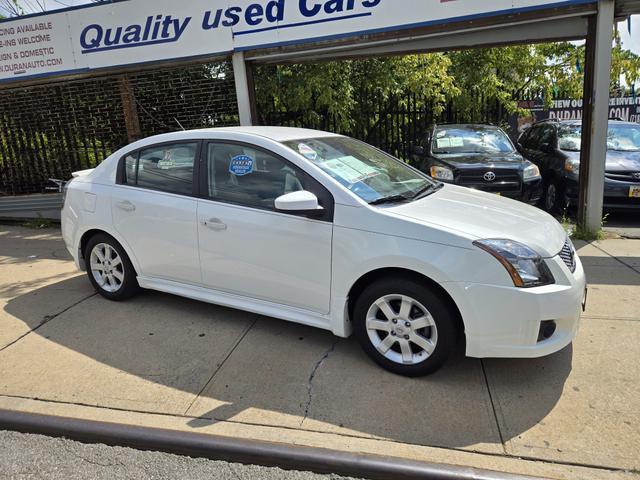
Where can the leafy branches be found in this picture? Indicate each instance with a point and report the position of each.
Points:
(503, 75)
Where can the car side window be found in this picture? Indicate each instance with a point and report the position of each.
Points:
(130, 169)
(252, 177)
(531, 141)
(167, 168)
(546, 135)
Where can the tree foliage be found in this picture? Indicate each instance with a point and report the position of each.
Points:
(464, 77)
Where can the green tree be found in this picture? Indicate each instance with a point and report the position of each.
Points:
(465, 78)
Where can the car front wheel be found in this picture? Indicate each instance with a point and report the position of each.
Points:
(554, 198)
(109, 268)
(404, 327)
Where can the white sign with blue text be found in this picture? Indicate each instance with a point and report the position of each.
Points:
(140, 31)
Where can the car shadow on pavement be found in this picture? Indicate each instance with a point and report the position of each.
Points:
(159, 353)
(22, 245)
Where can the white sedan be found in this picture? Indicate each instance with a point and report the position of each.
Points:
(327, 231)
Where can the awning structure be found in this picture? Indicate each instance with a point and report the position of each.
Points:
(126, 35)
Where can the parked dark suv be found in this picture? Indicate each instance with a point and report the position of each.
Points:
(555, 147)
(481, 157)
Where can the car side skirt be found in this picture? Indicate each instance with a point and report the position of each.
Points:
(226, 299)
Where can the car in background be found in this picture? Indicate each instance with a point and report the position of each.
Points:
(327, 231)
(554, 146)
(480, 157)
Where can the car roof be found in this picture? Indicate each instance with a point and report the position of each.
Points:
(278, 134)
(477, 126)
(579, 122)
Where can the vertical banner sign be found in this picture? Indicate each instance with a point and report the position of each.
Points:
(140, 31)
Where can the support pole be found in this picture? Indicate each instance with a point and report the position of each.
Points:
(243, 89)
(587, 118)
(600, 120)
(130, 109)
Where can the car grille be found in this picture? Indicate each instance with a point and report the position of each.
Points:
(633, 177)
(568, 255)
(505, 181)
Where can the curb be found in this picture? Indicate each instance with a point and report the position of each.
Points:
(236, 450)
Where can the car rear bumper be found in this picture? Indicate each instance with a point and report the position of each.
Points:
(507, 321)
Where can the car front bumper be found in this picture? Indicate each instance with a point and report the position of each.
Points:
(529, 192)
(616, 194)
(503, 321)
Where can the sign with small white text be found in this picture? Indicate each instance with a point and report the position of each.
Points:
(141, 31)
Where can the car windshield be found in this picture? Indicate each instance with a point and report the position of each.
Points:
(620, 138)
(468, 139)
(366, 171)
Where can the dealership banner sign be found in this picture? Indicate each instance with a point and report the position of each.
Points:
(139, 31)
(620, 108)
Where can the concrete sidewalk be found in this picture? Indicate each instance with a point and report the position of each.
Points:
(169, 362)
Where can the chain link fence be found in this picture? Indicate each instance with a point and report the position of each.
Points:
(48, 131)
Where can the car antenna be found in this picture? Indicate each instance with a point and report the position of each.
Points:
(179, 124)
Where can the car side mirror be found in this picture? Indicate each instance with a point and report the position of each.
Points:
(519, 147)
(299, 202)
(419, 150)
(546, 148)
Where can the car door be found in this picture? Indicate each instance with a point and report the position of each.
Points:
(546, 148)
(246, 246)
(155, 210)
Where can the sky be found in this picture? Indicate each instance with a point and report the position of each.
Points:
(630, 41)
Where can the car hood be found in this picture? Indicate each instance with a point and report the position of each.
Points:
(623, 161)
(484, 215)
(617, 161)
(490, 160)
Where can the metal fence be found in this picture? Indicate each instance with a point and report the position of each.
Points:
(396, 124)
(54, 129)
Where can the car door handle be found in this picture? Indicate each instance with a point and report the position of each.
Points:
(215, 224)
(126, 205)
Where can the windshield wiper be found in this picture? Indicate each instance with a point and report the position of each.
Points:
(427, 190)
(390, 199)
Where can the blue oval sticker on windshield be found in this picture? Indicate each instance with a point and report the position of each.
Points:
(241, 165)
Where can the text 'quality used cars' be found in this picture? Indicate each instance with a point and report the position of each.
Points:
(327, 231)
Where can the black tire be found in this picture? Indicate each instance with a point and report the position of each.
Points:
(442, 314)
(554, 200)
(129, 285)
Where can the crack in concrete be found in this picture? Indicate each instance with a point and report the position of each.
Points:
(473, 451)
(312, 375)
(493, 407)
(46, 319)
(216, 370)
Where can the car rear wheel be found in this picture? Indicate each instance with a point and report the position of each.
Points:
(404, 327)
(109, 269)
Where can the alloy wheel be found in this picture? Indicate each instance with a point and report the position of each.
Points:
(401, 329)
(106, 267)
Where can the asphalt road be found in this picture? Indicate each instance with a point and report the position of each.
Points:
(25, 456)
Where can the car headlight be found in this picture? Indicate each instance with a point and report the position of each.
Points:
(531, 172)
(525, 267)
(572, 165)
(441, 173)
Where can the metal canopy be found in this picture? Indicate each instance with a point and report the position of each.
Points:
(624, 8)
(566, 23)
(566, 28)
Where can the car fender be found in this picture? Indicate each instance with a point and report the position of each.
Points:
(92, 214)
